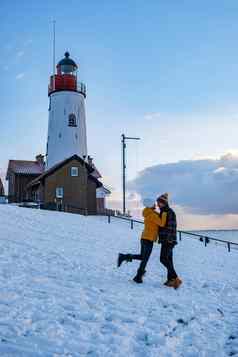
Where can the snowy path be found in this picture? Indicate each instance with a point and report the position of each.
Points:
(61, 294)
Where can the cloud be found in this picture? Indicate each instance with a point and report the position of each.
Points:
(20, 53)
(2, 173)
(20, 76)
(152, 116)
(28, 42)
(204, 186)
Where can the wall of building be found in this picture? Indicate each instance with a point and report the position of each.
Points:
(79, 192)
(17, 187)
(11, 184)
(100, 205)
(91, 195)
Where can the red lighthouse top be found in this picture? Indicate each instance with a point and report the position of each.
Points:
(66, 77)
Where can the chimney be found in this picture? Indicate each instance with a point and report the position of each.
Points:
(40, 159)
(90, 160)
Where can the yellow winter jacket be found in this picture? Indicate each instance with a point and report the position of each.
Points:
(152, 222)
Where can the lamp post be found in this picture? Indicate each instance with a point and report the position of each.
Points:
(123, 141)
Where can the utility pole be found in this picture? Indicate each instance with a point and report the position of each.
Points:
(123, 141)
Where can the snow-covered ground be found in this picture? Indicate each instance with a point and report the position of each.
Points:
(62, 295)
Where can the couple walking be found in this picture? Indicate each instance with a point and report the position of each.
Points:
(164, 226)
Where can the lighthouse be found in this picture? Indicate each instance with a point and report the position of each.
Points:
(67, 121)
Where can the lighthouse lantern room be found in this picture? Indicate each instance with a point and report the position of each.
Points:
(67, 121)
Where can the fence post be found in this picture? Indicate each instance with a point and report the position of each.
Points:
(229, 246)
(205, 241)
(180, 235)
(109, 218)
(132, 224)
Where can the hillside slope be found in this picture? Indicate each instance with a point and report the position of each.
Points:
(62, 295)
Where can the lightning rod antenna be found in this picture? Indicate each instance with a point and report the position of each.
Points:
(54, 22)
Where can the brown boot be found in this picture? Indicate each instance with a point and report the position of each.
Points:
(170, 283)
(177, 283)
(173, 283)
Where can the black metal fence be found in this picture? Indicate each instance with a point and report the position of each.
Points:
(202, 238)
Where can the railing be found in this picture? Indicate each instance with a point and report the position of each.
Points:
(63, 207)
(81, 87)
(105, 212)
(203, 238)
(75, 209)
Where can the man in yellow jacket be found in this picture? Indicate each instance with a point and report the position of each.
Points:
(152, 222)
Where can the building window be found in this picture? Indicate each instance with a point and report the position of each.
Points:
(59, 192)
(72, 120)
(74, 171)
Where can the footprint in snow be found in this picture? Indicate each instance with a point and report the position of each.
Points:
(232, 345)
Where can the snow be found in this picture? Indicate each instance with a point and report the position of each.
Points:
(61, 293)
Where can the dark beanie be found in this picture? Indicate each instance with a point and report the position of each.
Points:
(163, 198)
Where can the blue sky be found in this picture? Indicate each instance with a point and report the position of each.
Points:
(162, 70)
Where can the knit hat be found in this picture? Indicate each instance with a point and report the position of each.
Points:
(163, 198)
(148, 202)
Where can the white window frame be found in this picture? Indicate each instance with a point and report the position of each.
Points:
(74, 171)
(59, 192)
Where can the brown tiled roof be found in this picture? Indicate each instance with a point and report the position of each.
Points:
(24, 167)
(37, 180)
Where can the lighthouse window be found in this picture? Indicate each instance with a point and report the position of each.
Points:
(72, 120)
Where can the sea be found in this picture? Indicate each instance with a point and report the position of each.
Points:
(226, 238)
(227, 235)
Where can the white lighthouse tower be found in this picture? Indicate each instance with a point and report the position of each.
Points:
(67, 121)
